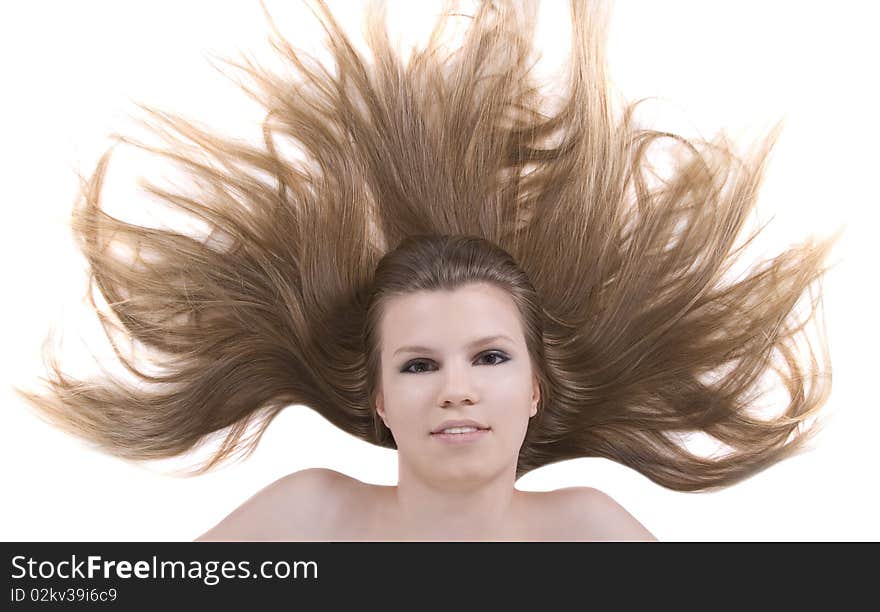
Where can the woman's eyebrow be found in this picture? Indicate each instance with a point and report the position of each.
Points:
(425, 349)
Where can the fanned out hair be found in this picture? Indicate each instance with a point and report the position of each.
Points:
(429, 174)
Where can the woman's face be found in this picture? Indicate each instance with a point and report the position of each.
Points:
(453, 374)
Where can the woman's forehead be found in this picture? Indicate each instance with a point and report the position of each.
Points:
(469, 312)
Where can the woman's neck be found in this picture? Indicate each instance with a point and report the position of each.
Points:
(454, 508)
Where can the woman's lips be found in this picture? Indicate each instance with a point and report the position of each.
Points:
(461, 438)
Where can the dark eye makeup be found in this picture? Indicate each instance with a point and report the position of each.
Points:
(418, 362)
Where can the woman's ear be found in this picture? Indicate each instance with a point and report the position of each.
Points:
(536, 396)
(380, 407)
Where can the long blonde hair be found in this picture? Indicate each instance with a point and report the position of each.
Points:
(431, 174)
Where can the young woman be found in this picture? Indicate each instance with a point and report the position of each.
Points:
(449, 251)
(456, 362)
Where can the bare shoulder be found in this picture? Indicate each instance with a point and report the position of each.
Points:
(592, 514)
(299, 506)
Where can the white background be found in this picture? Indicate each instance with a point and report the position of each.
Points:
(70, 71)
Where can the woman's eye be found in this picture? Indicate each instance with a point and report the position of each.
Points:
(498, 358)
(414, 364)
(501, 357)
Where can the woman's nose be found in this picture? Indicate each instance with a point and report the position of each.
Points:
(458, 385)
